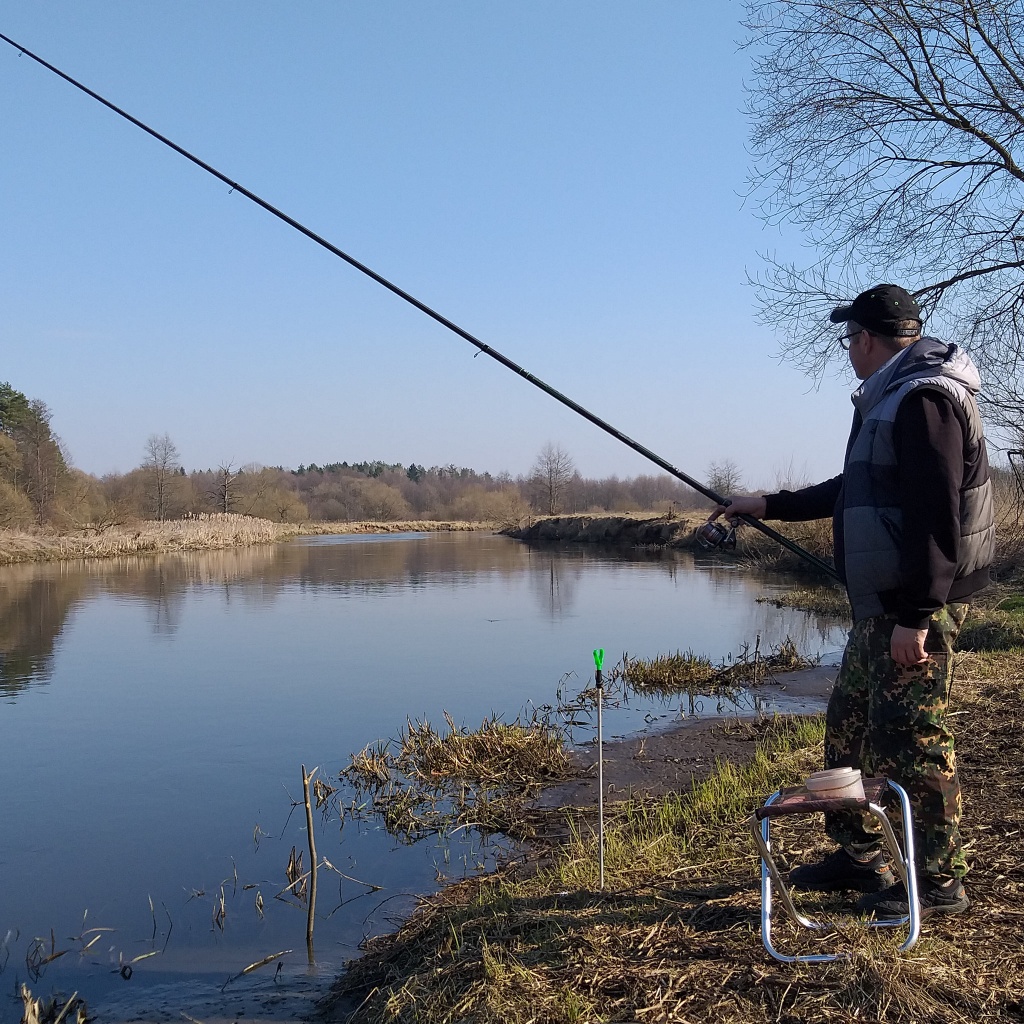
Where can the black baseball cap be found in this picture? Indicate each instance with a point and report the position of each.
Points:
(880, 309)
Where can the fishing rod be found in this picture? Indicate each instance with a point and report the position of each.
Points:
(713, 536)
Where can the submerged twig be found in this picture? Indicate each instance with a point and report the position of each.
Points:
(254, 967)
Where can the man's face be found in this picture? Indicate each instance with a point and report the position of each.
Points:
(853, 342)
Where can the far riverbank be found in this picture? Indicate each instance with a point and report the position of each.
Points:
(221, 530)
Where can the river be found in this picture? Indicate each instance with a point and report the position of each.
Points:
(155, 711)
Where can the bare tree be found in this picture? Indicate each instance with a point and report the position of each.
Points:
(550, 477)
(160, 464)
(724, 477)
(225, 490)
(890, 132)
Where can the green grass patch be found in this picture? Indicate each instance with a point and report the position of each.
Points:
(992, 630)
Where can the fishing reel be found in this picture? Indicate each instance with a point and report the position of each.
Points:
(711, 535)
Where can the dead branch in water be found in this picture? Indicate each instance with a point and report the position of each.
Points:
(311, 912)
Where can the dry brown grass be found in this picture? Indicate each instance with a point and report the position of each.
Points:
(675, 936)
(754, 548)
(498, 753)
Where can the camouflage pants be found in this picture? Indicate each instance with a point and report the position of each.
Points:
(889, 719)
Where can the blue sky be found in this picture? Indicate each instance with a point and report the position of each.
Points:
(564, 179)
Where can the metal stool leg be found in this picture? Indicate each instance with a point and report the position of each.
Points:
(903, 859)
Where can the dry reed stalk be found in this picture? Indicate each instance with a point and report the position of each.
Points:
(311, 909)
(255, 967)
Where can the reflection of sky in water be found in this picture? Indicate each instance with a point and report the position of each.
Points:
(154, 713)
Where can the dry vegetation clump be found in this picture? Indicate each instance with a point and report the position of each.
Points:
(755, 549)
(696, 675)
(427, 781)
(675, 935)
(500, 753)
(52, 1010)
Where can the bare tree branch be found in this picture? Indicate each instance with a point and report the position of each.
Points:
(891, 133)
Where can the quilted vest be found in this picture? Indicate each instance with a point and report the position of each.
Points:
(872, 518)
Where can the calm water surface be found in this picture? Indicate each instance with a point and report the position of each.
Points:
(154, 713)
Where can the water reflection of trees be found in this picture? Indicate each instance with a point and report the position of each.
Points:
(553, 583)
(36, 600)
(557, 569)
(34, 606)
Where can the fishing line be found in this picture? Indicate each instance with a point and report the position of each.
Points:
(819, 564)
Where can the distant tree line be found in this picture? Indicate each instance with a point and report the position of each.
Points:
(40, 487)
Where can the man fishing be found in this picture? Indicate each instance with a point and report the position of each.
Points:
(913, 529)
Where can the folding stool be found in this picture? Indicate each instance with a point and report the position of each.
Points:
(799, 800)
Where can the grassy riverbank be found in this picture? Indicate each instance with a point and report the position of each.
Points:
(675, 934)
(206, 532)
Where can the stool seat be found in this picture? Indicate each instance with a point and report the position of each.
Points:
(800, 800)
(795, 800)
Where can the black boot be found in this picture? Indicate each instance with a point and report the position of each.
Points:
(839, 871)
(934, 896)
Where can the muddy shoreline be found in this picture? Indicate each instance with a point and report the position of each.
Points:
(670, 759)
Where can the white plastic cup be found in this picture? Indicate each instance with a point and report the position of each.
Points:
(834, 783)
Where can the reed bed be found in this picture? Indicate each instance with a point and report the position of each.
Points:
(674, 936)
(829, 602)
(498, 753)
(208, 531)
